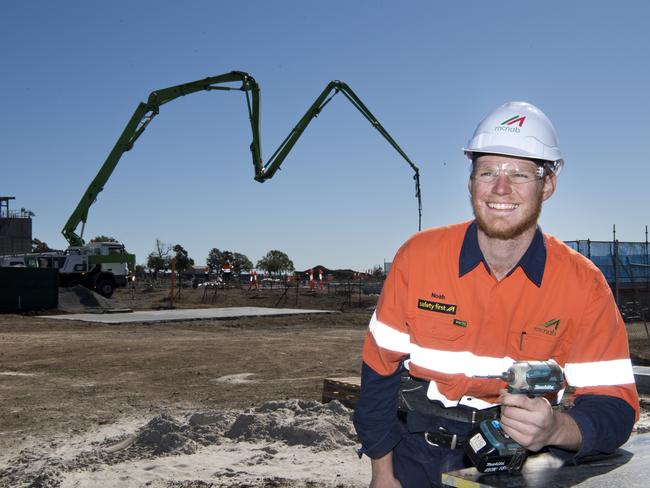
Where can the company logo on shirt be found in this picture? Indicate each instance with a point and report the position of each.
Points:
(549, 328)
(436, 306)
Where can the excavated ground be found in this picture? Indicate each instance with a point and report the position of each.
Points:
(66, 379)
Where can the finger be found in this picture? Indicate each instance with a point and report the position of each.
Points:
(513, 413)
(513, 400)
(534, 414)
(538, 404)
(520, 432)
(518, 425)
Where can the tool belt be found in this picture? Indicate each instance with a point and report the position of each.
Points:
(413, 398)
(444, 439)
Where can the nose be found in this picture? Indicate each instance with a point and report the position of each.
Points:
(502, 185)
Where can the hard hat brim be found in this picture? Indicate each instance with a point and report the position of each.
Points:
(558, 164)
(502, 150)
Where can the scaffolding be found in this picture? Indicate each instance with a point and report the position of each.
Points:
(15, 228)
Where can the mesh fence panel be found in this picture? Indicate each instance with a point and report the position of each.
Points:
(620, 262)
(638, 330)
(626, 266)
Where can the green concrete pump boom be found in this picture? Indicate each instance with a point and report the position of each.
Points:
(145, 112)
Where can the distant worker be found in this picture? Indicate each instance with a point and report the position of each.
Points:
(312, 285)
(253, 281)
(226, 271)
(468, 300)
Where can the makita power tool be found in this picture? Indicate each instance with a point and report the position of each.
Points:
(489, 447)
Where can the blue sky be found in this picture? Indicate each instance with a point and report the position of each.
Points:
(74, 72)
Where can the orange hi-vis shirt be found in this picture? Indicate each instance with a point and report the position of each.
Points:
(443, 311)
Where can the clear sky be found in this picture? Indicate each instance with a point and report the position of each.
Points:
(73, 72)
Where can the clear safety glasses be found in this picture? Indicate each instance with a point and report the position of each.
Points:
(517, 172)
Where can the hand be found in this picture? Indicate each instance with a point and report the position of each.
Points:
(531, 422)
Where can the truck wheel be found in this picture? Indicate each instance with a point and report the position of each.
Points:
(105, 288)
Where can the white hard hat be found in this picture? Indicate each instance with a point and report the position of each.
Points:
(517, 129)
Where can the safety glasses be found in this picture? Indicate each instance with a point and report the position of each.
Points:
(517, 172)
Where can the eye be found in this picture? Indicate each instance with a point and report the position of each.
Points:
(522, 175)
(487, 172)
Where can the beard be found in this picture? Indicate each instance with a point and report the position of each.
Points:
(501, 228)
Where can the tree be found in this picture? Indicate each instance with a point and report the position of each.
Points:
(139, 270)
(217, 258)
(103, 238)
(183, 261)
(159, 259)
(241, 262)
(276, 262)
(377, 272)
(40, 246)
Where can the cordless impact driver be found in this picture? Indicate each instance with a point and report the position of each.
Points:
(489, 447)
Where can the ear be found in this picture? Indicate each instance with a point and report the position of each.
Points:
(469, 185)
(550, 182)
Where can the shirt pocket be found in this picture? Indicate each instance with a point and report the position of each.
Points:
(535, 346)
(437, 332)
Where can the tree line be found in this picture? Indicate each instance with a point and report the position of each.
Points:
(160, 259)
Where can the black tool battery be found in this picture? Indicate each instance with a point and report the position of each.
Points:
(492, 450)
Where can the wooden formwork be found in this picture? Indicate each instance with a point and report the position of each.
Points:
(345, 390)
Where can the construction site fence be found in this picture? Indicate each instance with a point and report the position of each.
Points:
(626, 267)
(350, 292)
(367, 287)
(620, 262)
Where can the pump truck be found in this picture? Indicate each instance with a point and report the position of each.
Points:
(106, 265)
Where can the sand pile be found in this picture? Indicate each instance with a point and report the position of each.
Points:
(80, 299)
(305, 423)
(278, 444)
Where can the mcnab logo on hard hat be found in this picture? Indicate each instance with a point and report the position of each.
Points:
(517, 119)
(514, 120)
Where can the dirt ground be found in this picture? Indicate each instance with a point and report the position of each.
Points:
(72, 377)
(69, 375)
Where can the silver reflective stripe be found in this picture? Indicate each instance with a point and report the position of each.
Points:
(461, 362)
(599, 373)
(388, 338)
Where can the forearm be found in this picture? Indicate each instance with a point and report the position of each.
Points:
(565, 433)
(383, 466)
(534, 424)
(595, 424)
(382, 472)
(605, 423)
(375, 415)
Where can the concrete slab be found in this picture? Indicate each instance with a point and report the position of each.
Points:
(176, 315)
(628, 466)
(642, 378)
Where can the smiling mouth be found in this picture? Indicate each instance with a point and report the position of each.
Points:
(503, 206)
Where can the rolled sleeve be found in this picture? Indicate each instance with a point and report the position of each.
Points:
(605, 424)
(375, 416)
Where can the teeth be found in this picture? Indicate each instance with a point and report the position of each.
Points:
(503, 206)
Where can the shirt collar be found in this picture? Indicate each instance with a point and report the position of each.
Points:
(532, 262)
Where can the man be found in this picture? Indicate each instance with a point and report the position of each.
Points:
(470, 299)
(226, 271)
